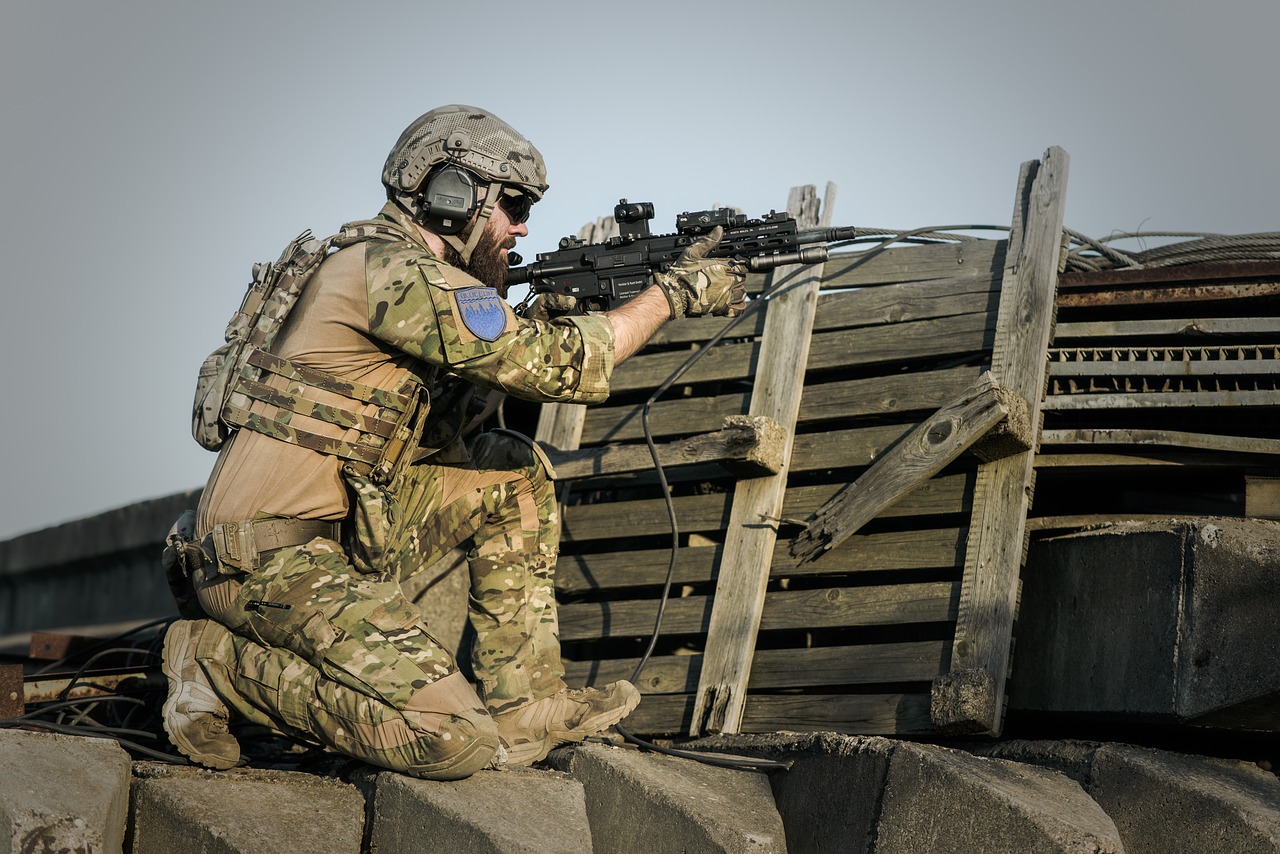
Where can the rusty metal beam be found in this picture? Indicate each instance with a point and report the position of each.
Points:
(90, 685)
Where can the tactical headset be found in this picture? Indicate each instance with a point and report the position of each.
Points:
(449, 200)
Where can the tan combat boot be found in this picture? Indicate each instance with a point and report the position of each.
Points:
(194, 716)
(530, 731)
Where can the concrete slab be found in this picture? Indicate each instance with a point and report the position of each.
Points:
(654, 803)
(492, 812)
(942, 800)
(243, 811)
(829, 799)
(1166, 621)
(869, 794)
(1168, 802)
(61, 793)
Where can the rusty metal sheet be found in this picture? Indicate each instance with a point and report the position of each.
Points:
(1171, 294)
(133, 680)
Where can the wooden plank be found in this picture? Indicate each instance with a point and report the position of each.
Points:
(862, 664)
(920, 391)
(974, 260)
(748, 445)
(925, 451)
(740, 587)
(1262, 497)
(1161, 438)
(884, 605)
(713, 512)
(866, 714)
(560, 425)
(970, 698)
(903, 303)
(1160, 400)
(894, 344)
(928, 548)
(1234, 327)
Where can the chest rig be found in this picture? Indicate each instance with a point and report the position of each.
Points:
(238, 374)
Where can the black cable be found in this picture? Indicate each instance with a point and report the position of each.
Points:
(775, 290)
(62, 695)
(104, 642)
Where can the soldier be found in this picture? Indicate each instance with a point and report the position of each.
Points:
(315, 515)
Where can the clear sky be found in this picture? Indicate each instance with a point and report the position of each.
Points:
(153, 150)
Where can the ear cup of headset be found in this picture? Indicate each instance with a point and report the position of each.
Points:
(448, 200)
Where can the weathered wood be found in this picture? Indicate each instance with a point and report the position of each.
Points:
(893, 604)
(1169, 294)
(929, 548)
(925, 451)
(975, 260)
(749, 445)
(866, 714)
(712, 513)
(740, 588)
(970, 698)
(560, 425)
(1162, 438)
(1262, 497)
(922, 391)
(864, 664)
(1233, 327)
(874, 345)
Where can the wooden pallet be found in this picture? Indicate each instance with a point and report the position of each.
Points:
(905, 626)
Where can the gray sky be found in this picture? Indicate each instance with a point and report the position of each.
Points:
(153, 150)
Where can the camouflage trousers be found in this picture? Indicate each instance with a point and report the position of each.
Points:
(323, 642)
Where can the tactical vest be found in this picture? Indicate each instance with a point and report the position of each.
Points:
(235, 375)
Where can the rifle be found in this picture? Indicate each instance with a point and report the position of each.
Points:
(603, 275)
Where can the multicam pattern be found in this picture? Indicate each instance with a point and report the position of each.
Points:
(324, 641)
(327, 621)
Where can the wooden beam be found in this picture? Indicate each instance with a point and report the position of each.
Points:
(1262, 497)
(749, 540)
(970, 698)
(1161, 438)
(924, 452)
(747, 445)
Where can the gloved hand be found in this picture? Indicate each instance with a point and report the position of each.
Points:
(697, 285)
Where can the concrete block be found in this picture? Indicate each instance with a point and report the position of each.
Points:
(829, 798)
(1167, 802)
(61, 793)
(942, 800)
(1170, 621)
(654, 803)
(243, 811)
(518, 811)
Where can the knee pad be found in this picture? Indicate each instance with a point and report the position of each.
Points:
(463, 745)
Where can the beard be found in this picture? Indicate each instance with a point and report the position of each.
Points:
(488, 265)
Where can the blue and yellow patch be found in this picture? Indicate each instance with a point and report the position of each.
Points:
(482, 312)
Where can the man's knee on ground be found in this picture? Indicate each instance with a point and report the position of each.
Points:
(455, 736)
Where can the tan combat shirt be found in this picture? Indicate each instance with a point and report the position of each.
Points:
(380, 312)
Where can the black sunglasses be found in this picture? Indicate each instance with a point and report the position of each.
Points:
(516, 207)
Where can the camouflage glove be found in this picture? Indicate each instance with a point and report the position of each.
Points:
(697, 285)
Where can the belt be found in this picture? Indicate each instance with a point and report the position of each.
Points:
(243, 545)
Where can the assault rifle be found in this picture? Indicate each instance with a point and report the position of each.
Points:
(602, 275)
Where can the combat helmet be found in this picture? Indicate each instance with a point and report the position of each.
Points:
(458, 158)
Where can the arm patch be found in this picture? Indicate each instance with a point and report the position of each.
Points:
(481, 310)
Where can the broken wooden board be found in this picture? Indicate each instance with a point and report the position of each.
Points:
(748, 445)
(924, 452)
(970, 697)
(750, 537)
